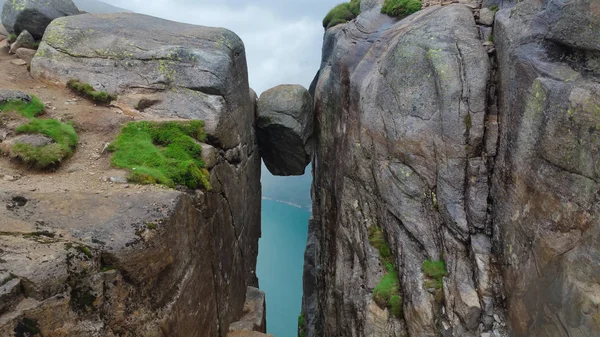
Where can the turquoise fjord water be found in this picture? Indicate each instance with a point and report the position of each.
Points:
(285, 212)
(280, 264)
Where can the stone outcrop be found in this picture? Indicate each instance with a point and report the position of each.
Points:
(187, 71)
(401, 109)
(285, 127)
(79, 262)
(34, 15)
(487, 163)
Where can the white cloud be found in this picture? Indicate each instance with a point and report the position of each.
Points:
(281, 47)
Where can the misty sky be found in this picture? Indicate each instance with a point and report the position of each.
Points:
(282, 37)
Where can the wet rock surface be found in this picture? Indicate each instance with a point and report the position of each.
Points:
(285, 129)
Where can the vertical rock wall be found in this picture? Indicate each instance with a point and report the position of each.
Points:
(488, 164)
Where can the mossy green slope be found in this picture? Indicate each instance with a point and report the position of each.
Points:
(166, 153)
(342, 13)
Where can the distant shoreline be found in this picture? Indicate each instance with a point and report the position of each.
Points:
(287, 203)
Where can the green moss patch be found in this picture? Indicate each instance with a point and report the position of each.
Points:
(301, 326)
(401, 8)
(434, 277)
(387, 292)
(88, 91)
(29, 109)
(342, 13)
(12, 38)
(49, 155)
(167, 153)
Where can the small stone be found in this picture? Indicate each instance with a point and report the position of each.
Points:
(118, 180)
(10, 178)
(497, 318)
(26, 55)
(18, 62)
(24, 40)
(486, 16)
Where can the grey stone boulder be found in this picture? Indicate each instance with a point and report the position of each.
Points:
(24, 40)
(34, 15)
(190, 72)
(25, 54)
(13, 95)
(486, 16)
(285, 128)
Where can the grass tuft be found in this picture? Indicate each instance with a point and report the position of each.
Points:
(401, 8)
(387, 292)
(12, 38)
(495, 8)
(377, 240)
(435, 272)
(342, 13)
(166, 153)
(88, 91)
(27, 109)
(49, 155)
(301, 326)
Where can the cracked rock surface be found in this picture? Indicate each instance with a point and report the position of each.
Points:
(486, 159)
(185, 71)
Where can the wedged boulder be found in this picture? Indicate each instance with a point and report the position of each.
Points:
(187, 71)
(285, 128)
(24, 40)
(34, 15)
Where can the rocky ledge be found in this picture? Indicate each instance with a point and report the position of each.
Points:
(83, 256)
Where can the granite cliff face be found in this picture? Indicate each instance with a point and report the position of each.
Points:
(80, 257)
(480, 154)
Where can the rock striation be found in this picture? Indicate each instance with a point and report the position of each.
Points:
(481, 154)
(34, 15)
(285, 128)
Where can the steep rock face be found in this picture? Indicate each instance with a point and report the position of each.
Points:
(285, 128)
(78, 262)
(187, 71)
(491, 167)
(546, 185)
(34, 15)
(401, 111)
